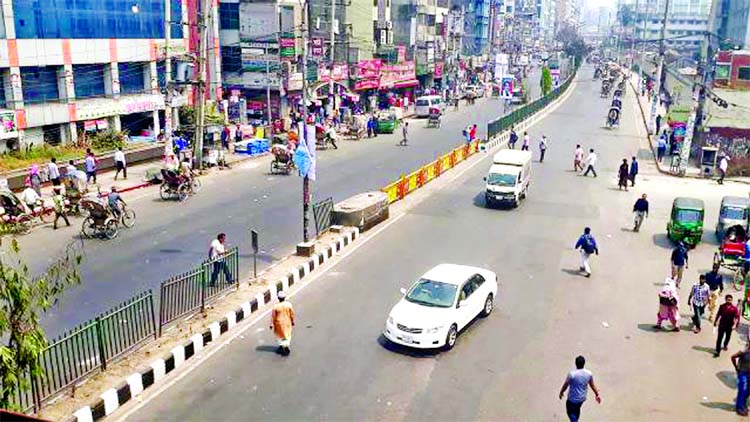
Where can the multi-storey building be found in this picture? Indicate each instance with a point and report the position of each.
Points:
(731, 22)
(476, 26)
(71, 67)
(687, 22)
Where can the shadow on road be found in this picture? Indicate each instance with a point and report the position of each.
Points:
(575, 272)
(479, 201)
(661, 240)
(709, 350)
(403, 350)
(267, 348)
(666, 328)
(729, 407)
(728, 378)
(262, 257)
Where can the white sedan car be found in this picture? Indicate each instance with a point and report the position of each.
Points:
(439, 305)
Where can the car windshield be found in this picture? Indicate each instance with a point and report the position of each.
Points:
(432, 293)
(497, 179)
(688, 216)
(423, 102)
(734, 213)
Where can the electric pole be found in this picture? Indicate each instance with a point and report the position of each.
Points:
(660, 69)
(632, 41)
(303, 135)
(200, 118)
(167, 78)
(331, 93)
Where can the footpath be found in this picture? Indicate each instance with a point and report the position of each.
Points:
(645, 108)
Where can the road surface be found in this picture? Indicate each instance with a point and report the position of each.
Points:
(170, 238)
(508, 367)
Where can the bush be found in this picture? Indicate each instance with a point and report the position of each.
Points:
(739, 166)
(108, 140)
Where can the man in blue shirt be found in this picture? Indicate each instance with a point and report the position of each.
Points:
(679, 262)
(587, 244)
(633, 170)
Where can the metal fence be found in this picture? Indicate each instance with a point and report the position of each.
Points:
(89, 347)
(498, 125)
(189, 292)
(322, 214)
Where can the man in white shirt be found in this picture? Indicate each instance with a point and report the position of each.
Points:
(30, 197)
(578, 159)
(590, 161)
(216, 255)
(723, 166)
(120, 164)
(54, 172)
(331, 135)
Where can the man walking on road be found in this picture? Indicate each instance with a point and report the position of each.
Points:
(587, 244)
(723, 166)
(542, 148)
(282, 321)
(698, 299)
(578, 159)
(640, 208)
(216, 254)
(404, 134)
(590, 161)
(661, 147)
(120, 164)
(741, 363)
(53, 172)
(716, 287)
(679, 261)
(60, 211)
(526, 142)
(89, 166)
(633, 170)
(727, 320)
(513, 138)
(577, 384)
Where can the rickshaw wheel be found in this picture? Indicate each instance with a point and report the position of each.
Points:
(24, 224)
(737, 279)
(273, 167)
(87, 228)
(182, 192)
(128, 218)
(110, 229)
(47, 215)
(164, 191)
(196, 185)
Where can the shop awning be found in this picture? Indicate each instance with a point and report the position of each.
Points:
(406, 84)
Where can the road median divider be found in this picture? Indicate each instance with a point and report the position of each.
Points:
(105, 392)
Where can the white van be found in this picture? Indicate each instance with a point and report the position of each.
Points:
(509, 177)
(424, 104)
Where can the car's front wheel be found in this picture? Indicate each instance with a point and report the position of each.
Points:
(451, 337)
(488, 305)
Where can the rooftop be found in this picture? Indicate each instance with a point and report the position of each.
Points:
(735, 117)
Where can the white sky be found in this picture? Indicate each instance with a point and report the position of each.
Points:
(594, 4)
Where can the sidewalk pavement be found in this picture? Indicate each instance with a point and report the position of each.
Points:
(136, 176)
(645, 106)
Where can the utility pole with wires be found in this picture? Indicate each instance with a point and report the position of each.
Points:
(200, 117)
(167, 79)
(331, 93)
(632, 40)
(303, 136)
(660, 72)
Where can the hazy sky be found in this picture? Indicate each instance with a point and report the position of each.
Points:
(593, 4)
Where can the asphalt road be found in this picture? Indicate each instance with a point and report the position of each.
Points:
(510, 366)
(170, 238)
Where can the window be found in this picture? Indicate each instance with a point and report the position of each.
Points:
(132, 77)
(39, 84)
(94, 18)
(3, 102)
(231, 59)
(467, 290)
(88, 80)
(229, 15)
(478, 280)
(743, 73)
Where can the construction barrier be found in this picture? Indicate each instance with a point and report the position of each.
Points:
(425, 174)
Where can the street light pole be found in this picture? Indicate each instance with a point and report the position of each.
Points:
(200, 117)
(660, 70)
(303, 135)
(331, 93)
(167, 75)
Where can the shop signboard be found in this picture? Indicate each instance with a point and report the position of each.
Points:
(96, 108)
(287, 48)
(317, 48)
(258, 21)
(340, 72)
(398, 75)
(438, 70)
(369, 69)
(294, 83)
(8, 127)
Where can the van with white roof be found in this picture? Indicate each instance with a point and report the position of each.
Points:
(509, 177)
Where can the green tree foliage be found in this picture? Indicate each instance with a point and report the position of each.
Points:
(546, 81)
(23, 300)
(626, 15)
(573, 44)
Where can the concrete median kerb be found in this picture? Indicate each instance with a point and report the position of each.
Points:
(134, 385)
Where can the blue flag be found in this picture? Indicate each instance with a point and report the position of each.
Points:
(302, 159)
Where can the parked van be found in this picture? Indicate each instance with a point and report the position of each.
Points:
(424, 104)
(508, 179)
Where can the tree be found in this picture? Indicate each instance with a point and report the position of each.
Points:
(23, 299)
(626, 15)
(573, 44)
(546, 81)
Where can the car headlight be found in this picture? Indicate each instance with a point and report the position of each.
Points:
(390, 319)
(433, 330)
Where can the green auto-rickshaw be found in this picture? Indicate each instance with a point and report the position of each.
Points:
(686, 221)
(387, 121)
